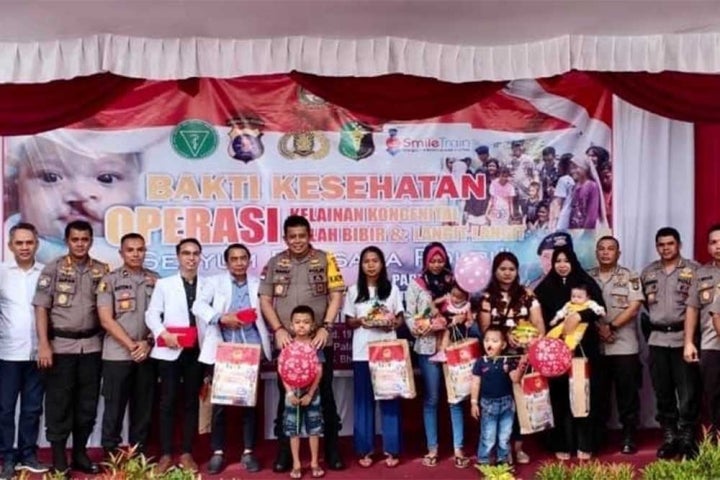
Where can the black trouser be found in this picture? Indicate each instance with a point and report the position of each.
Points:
(331, 420)
(671, 375)
(72, 388)
(710, 368)
(127, 382)
(19, 378)
(217, 435)
(569, 433)
(187, 368)
(624, 372)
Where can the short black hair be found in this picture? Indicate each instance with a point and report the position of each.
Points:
(187, 240)
(131, 236)
(496, 328)
(667, 232)
(226, 253)
(295, 221)
(713, 228)
(80, 226)
(608, 237)
(581, 286)
(548, 151)
(23, 226)
(303, 309)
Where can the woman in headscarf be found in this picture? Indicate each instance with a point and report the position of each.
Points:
(553, 292)
(434, 282)
(506, 303)
(587, 208)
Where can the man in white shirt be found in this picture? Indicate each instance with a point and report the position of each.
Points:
(19, 373)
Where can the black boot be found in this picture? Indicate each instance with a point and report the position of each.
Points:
(332, 450)
(59, 460)
(628, 443)
(688, 443)
(283, 461)
(669, 447)
(82, 463)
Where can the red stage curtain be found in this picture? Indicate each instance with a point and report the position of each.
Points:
(691, 98)
(32, 108)
(396, 96)
(707, 184)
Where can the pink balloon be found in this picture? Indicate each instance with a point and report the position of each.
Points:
(472, 271)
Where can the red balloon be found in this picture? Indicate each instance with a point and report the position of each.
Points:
(550, 357)
(298, 365)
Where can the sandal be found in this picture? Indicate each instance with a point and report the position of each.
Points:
(461, 462)
(430, 460)
(316, 471)
(366, 461)
(296, 473)
(562, 456)
(391, 461)
(584, 455)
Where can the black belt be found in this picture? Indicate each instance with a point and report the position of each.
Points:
(673, 327)
(74, 334)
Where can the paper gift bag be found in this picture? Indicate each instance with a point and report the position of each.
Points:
(205, 408)
(580, 387)
(532, 403)
(391, 370)
(461, 357)
(235, 379)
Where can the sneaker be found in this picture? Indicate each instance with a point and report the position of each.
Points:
(32, 465)
(439, 357)
(216, 464)
(250, 462)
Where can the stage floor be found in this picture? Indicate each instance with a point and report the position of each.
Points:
(410, 466)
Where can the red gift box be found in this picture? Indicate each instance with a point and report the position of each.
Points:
(246, 316)
(187, 336)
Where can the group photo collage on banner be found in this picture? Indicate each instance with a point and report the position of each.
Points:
(230, 162)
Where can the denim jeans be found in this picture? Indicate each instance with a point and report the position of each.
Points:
(496, 425)
(432, 380)
(19, 379)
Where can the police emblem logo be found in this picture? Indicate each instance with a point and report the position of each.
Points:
(309, 99)
(102, 287)
(307, 144)
(62, 299)
(706, 295)
(44, 281)
(245, 138)
(356, 140)
(279, 289)
(124, 305)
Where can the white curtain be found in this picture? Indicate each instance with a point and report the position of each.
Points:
(184, 57)
(654, 178)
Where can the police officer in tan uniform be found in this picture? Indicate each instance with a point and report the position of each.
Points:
(69, 345)
(704, 292)
(303, 275)
(620, 344)
(128, 372)
(666, 285)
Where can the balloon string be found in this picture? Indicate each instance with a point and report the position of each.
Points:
(297, 393)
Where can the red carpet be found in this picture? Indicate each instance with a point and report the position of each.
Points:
(410, 466)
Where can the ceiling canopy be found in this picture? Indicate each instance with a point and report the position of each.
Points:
(450, 39)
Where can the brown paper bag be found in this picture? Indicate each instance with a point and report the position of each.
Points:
(532, 403)
(205, 408)
(580, 387)
(235, 378)
(461, 357)
(391, 370)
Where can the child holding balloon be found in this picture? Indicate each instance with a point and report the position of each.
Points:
(299, 369)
